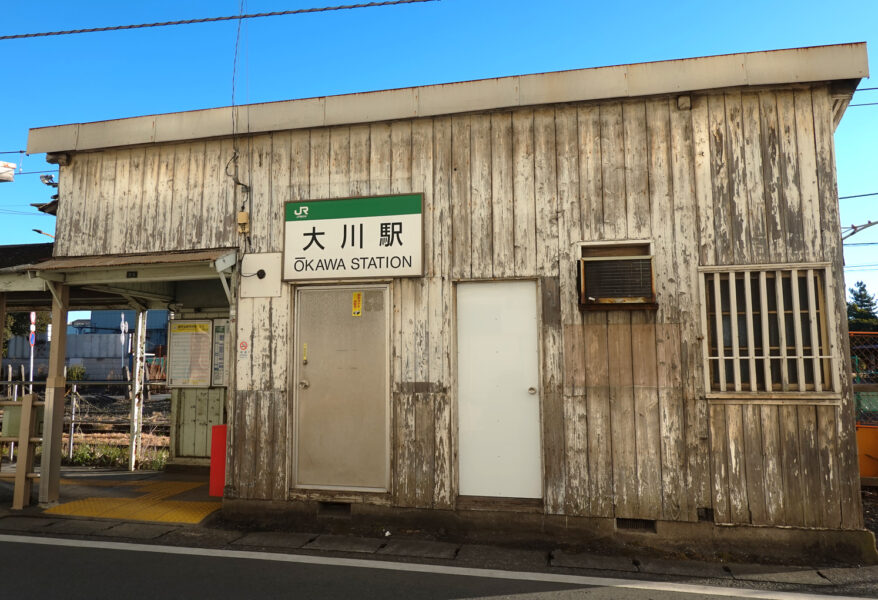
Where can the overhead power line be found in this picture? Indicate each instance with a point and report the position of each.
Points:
(31, 213)
(214, 19)
(864, 104)
(852, 230)
(858, 196)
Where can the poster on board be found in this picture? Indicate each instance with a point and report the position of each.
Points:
(220, 352)
(189, 353)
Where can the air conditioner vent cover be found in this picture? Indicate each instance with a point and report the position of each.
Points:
(618, 278)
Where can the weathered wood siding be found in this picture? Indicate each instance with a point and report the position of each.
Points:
(739, 178)
(260, 442)
(193, 412)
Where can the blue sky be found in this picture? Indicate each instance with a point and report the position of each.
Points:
(50, 81)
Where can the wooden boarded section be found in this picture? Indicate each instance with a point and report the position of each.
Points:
(725, 178)
(774, 464)
(193, 412)
(260, 440)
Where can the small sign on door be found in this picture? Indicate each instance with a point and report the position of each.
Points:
(357, 304)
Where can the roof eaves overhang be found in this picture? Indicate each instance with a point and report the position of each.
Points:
(18, 256)
(12, 280)
(137, 268)
(19, 277)
(49, 208)
(24, 290)
(80, 299)
(841, 94)
(776, 67)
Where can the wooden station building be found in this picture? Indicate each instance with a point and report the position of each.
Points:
(601, 303)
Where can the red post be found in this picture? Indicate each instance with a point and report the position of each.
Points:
(217, 460)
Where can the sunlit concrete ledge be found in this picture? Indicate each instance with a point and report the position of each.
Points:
(743, 543)
(776, 67)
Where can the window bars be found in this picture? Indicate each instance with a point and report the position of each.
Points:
(767, 330)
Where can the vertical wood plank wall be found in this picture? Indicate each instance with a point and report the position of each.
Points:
(193, 412)
(740, 178)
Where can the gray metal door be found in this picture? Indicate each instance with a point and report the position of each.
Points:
(342, 403)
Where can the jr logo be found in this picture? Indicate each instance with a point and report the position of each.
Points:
(301, 212)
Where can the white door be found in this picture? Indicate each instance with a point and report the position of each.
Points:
(498, 390)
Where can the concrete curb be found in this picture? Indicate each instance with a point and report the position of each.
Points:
(419, 549)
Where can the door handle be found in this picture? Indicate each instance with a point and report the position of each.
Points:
(304, 385)
(531, 390)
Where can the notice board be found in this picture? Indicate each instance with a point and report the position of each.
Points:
(219, 376)
(189, 353)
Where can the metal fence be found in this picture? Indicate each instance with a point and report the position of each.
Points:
(91, 408)
(864, 356)
(864, 364)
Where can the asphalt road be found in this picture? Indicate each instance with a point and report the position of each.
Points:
(50, 568)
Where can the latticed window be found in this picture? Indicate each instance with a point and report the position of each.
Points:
(767, 329)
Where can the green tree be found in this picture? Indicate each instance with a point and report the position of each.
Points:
(18, 323)
(862, 309)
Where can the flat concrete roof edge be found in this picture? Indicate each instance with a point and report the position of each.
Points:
(778, 67)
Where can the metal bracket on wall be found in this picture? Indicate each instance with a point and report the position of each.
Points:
(226, 288)
(223, 264)
(51, 285)
(135, 304)
(130, 294)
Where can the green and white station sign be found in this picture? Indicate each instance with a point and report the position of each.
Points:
(352, 238)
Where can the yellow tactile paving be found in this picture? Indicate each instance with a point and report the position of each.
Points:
(177, 512)
(151, 506)
(86, 506)
(101, 483)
